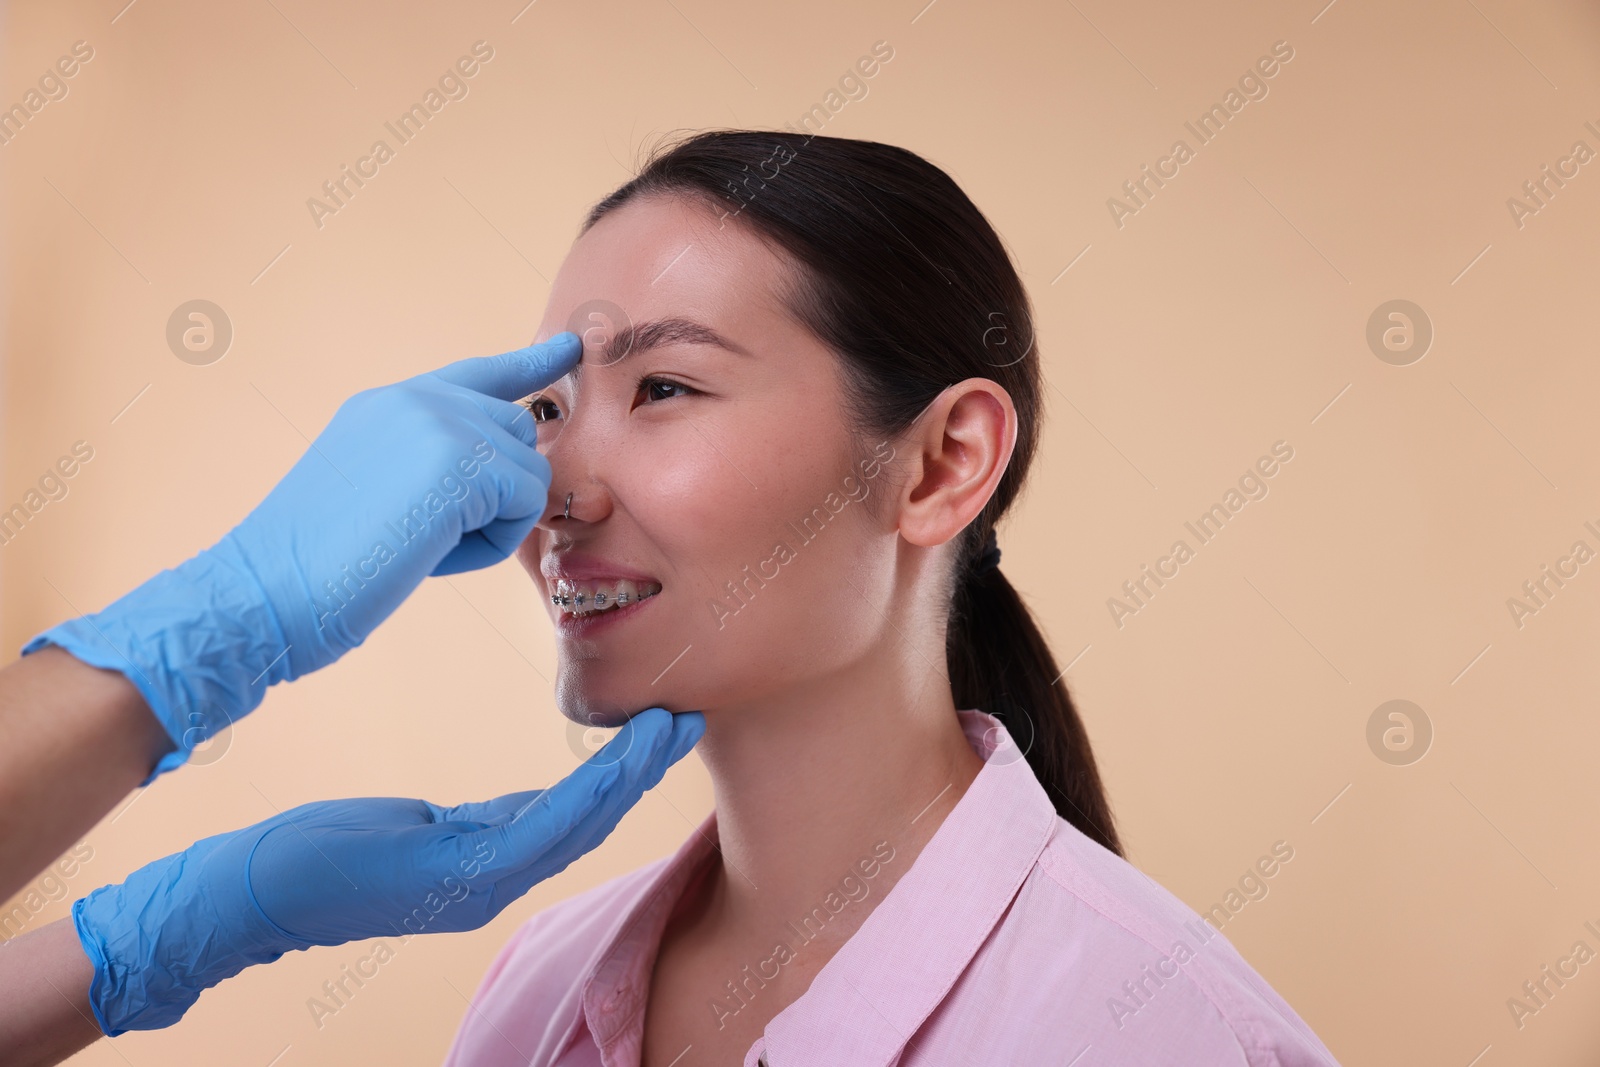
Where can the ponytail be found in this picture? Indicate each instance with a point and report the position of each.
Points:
(999, 663)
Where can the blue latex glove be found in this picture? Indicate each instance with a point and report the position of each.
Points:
(433, 475)
(346, 870)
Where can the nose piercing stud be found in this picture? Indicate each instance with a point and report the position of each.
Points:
(567, 514)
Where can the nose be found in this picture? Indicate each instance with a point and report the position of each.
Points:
(578, 495)
(567, 505)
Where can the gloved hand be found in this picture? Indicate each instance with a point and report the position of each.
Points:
(345, 870)
(432, 475)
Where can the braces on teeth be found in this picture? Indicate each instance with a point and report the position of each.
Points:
(567, 596)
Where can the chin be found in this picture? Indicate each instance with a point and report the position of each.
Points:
(597, 704)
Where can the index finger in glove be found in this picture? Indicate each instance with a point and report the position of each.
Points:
(513, 375)
(541, 826)
(487, 812)
(604, 816)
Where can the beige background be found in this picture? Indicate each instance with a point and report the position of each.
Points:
(1227, 314)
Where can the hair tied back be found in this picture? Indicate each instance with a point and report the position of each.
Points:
(988, 559)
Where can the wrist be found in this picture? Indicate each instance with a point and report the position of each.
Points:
(199, 642)
(172, 930)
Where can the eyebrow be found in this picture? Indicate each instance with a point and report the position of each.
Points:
(643, 336)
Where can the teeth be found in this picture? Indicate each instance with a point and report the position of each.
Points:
(593, 597)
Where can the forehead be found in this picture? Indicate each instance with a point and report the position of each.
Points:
(663, 256)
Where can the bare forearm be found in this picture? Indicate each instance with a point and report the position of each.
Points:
(44, 996)
(74, 740)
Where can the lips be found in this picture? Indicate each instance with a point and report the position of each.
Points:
(578, 567)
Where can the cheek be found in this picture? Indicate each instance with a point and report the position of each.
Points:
(701, 494)
(777, 607)
(758, 573)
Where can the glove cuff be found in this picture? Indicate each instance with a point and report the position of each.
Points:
(172, 930)
(198, 641)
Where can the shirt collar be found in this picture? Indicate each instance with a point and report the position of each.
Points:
(865, 1004)
(868, 1001)
(617, 988)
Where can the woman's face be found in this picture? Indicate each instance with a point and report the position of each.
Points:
(726, 475)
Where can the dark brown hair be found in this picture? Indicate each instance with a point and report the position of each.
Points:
(904, 278)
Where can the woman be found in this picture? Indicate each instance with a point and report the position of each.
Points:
(775, 495)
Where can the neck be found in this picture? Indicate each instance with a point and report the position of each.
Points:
(828, 775)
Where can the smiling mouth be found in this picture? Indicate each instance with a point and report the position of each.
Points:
(594, 597)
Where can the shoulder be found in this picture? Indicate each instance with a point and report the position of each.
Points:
(1150, 971)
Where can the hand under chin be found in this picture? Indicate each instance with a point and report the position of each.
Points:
(603, 707)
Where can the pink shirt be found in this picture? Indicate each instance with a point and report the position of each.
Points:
(1012, 939)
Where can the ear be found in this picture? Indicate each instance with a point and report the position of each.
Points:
(960, 447)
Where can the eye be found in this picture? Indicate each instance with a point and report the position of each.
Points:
(653, 388)
(541, 407)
